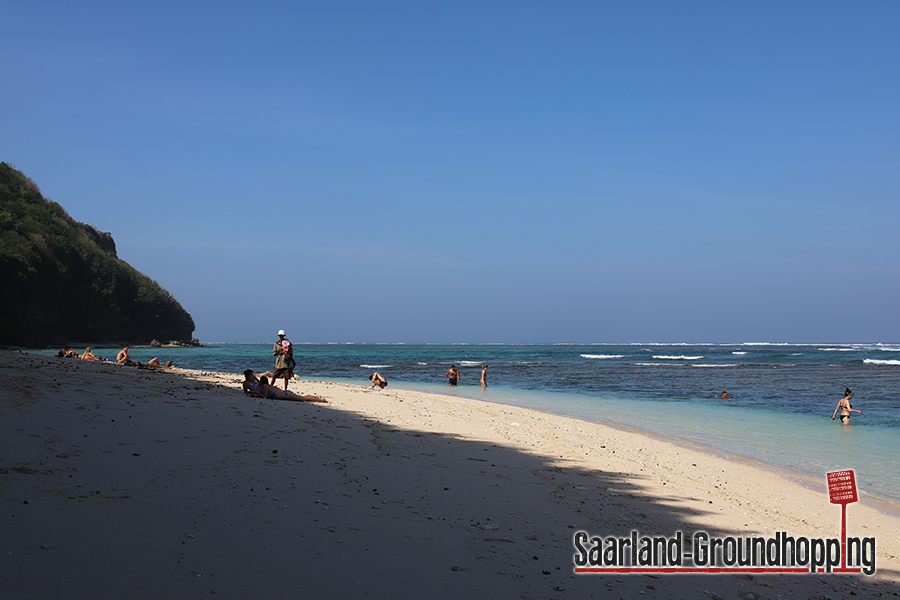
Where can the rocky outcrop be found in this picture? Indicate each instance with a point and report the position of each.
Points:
(64, 282)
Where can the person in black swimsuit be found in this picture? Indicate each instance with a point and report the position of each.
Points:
(452, 374)
(379, 380)
(845, 408)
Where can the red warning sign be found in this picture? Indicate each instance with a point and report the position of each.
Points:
(842, 487)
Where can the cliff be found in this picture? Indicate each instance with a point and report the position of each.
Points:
(63, 281)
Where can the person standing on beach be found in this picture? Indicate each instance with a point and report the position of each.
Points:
(283, 351)
(484, 377)
(453, 374)
(845, 408)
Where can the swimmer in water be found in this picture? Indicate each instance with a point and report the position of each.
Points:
(845, 408)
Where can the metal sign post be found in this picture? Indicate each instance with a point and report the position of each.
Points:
(842, 490)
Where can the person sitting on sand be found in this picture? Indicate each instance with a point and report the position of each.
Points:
(88, 355)
(453, 374)
(250, 383)
(845, 408)
(123, 358)
(379, 380)
(67, 352)
(264, 390)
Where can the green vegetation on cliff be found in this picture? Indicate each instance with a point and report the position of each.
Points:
(63, 281)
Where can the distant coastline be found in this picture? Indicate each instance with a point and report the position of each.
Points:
(81, 344)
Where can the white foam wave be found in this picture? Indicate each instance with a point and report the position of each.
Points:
(656, 364)
(739, 353)
(669, 344)
(470, 363)
(837, 349)
(376, 366)
(680, 357)
(602, 356)
(873, 361)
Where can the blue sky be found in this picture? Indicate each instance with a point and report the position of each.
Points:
(478, 171)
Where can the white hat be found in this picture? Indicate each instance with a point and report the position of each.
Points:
(281, 332)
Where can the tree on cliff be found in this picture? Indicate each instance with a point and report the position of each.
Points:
(63, 280)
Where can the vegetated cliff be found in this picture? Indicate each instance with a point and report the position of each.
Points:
(63, 282)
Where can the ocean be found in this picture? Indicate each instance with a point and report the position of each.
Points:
(778, 411)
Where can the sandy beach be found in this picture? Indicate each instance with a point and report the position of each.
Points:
(120, 482)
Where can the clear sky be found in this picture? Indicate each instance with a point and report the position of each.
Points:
(477, 171)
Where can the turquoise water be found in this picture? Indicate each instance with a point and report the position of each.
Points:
(781, 396)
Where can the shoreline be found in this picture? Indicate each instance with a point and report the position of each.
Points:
(379, 490)
(808, 480)
(883, 505)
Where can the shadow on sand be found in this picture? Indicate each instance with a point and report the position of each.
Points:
(183, 489)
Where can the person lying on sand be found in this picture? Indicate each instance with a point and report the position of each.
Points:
(378, 379)
(155, 364)
(264, 390)
(88, 355)
(251, 381)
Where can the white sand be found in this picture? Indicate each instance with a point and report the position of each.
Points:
(117, 482)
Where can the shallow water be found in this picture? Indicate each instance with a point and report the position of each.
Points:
(781, 397)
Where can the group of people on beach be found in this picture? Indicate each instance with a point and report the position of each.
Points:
(283, 351)
(452, 377)
(122, 358)
(260, 387)
(284, 369)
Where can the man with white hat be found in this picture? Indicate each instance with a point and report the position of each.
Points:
(283, 351)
